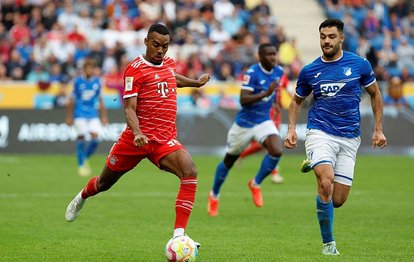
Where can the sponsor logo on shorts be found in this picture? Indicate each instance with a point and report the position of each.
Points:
(112, 160)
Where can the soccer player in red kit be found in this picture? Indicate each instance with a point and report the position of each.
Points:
(150, 105)
(276, 115)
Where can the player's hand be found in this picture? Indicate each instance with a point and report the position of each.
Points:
(203, 79)
(104, 120)
(379, 139)
(69, 121)
(140, 140)
(291, 140)
(272, 87)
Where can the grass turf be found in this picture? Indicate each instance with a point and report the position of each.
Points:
(133, 221)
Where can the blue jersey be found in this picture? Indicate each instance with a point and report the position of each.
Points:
(337, 88)
(86, 94)
(257, 79)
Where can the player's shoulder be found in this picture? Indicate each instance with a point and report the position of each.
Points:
(253, 69)
(168, 60)
(349, 56)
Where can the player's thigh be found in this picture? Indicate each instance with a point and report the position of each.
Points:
(321, 148)
(346, 157)
(95, 127)
(238, 138)
(179, 163)
(81, 126)
(268, 135)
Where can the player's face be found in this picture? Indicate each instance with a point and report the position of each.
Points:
(88, 70)
(157, 46)
(331, 40)
(268, 57)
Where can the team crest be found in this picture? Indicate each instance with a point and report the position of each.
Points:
(112, 160)
(172, 72)
(347, 71)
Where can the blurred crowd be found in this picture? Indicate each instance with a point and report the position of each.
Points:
(381, 31)
(49, 40)
(46, 41)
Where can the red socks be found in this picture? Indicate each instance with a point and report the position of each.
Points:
(185, 200)
(251, 149)
(91, 188)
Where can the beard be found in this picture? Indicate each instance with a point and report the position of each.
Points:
(332, 52)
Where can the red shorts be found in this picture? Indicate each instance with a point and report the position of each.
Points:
(124, 155)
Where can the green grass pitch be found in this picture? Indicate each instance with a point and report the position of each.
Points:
(133, 221)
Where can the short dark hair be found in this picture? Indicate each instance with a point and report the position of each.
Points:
(263, 46)
(160, 29)
(332, 22)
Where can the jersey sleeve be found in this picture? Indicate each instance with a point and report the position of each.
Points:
(132, 82)
(367, 74)
(248, 80)
(303, 89)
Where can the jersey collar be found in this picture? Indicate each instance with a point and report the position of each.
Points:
(264, 70)
(149, 63)
(333, 60)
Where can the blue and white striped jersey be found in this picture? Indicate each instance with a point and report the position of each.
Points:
(337, 87)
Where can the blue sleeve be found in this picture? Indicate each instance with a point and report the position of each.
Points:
(367, 74)
(303, 89)
(75, 87)
(249, 80)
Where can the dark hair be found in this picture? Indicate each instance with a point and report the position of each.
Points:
(332, 22)
(160, 29)
(263, 46)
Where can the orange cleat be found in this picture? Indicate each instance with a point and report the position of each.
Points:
(212, 205)
(256, 194)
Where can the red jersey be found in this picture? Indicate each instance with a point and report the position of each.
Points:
(155, 89)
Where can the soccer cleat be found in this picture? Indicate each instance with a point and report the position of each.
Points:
(84, 171)
(330, 249)
(276, 177)
(212, 205)
(74, 207)
(256, 194)
(306, 166)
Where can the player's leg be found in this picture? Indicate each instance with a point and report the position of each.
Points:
(237, 139)
(181, 164)
(276, 176)
(81, 129)
(252, 148)
(95, 129)
(94, 186)
(122, 158)
(268, 134)
(322, 150)
(344, 170)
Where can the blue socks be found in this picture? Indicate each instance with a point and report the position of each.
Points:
(221, 173)
(83, 154)
(268, 164)
(93, 145)
(80, 151)
(324, 212)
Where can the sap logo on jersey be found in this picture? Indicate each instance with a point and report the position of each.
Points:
(331, 89)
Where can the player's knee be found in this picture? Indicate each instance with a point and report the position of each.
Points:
(276, 153)
(189, 172)
(337, 204)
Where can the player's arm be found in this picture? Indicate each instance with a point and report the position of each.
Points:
(293, 114)
(183, 81)
(69, 111)
(130, 105)
(102, 111)
(378, 137)
(247, 97)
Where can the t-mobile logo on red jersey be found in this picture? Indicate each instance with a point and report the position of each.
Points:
(163, 89)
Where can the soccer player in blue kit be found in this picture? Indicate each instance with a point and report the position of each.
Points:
(83, 113)
(253, 122)
(333, 135)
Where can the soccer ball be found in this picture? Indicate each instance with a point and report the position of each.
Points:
(181, 249)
